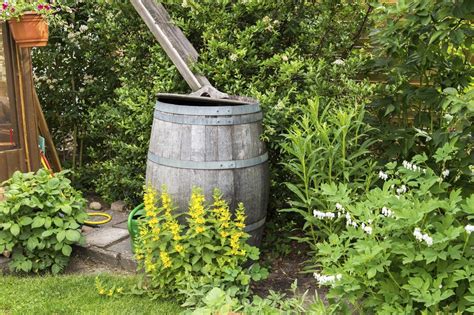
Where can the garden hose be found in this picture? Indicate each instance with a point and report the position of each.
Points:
(108, 217)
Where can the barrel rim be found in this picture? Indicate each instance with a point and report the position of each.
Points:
(206, 101)
(182, 109)
(217, 120)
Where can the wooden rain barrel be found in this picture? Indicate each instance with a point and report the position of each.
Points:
(209, 143)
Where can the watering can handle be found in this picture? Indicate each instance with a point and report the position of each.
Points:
(176, 46)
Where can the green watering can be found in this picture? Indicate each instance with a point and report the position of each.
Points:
(133, 218)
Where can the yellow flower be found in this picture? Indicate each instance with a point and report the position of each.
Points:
(110, 293)
(235, 243)
(156, 234)
(196, 206)
(101, 291)
(240, 216)
(156, 231)
(240, 225)
(143, 231)
(154, 221)
(199, 229)
(224, 234)
(165, 259)
(175, 230)
(149, 266)
(120, 290)
(166, 202)
(200, 220)
(149, 201)
(179, 248)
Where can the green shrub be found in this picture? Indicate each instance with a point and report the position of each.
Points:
(402, 248)
(99, 75)
(40, 220)
(327, 148)
(187, 261)
(424, 51)
(217, 301)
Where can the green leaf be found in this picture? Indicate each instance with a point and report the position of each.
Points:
(66, 209)
(66, 250)
(37, 222)
(53, 183)
(60, 236)
(55, 269)
(73, 235)
(15, 229)
(58, 222)
(47, 233)
(371, 273)
(25, 221)
(32, 243)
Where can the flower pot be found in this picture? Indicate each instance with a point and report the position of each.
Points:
(31, 30)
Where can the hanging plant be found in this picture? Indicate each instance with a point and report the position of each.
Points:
(28, 21)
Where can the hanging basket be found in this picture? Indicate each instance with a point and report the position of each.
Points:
(31, 30)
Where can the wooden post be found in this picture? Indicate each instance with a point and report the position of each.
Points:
(29, 115)
(44, 130)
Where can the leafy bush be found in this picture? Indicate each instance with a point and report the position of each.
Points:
(99, 75)
(39, 221)
(188, 261)
(217, 301)
(97, 80)
(404, 247)
(424, 51)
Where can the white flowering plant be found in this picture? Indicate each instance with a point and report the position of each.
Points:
(406, 246)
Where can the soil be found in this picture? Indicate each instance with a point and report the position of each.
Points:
(285, 270)
(81, 265)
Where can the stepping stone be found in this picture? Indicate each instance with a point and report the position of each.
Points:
(123, 225)
(106, 236)
(123, 247)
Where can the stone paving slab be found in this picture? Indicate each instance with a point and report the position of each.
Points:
(109, 244)
(117, 256)
(124, 247)
(106, 236)
(123, 225)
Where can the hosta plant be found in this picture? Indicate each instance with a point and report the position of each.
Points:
(406, 247)
(40, 220)
(187, 261)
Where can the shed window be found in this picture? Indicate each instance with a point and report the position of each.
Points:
(8, 122)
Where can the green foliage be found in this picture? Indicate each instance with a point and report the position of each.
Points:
(99, 75)
(424, 50)
(327, 148)
(217, 301)
(280, 52)
(97, 80)
(188, 261)
(406, 247)
(40, 220)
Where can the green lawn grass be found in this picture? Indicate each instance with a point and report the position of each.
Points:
(74, 294)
